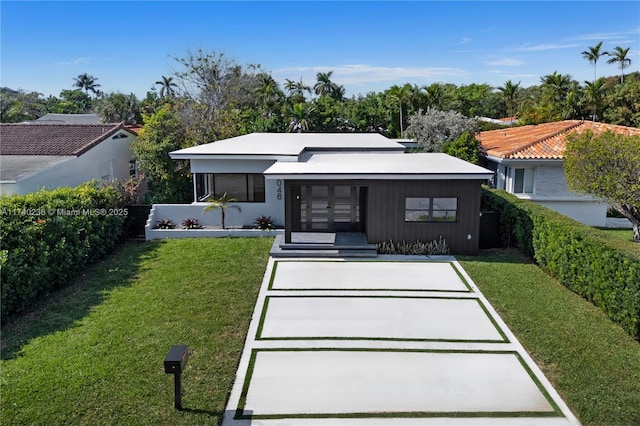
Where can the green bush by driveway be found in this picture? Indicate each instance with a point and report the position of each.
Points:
(603, 269)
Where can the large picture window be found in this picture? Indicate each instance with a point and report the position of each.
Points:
(244, 187)
(431, 209)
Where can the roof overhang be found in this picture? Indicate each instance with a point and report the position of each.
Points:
(378, 166)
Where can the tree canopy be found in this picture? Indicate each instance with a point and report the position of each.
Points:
(607, 166)
(434, 128)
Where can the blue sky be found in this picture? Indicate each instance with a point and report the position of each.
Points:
(369, 45)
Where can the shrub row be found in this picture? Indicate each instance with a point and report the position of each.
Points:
(603, 269)
(46, 237)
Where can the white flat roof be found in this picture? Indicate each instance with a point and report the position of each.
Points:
(363, 165)
(287, 144)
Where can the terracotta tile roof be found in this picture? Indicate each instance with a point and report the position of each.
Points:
(53, 139)
(545, 141)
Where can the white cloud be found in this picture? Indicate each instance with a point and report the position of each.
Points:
(548, 46)
(465, 40)
(359, 74)
(77, 61)
(504, 62)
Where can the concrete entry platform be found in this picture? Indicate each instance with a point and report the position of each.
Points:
(394, 341)
(400, 318)
(341, 383)
(367, 275)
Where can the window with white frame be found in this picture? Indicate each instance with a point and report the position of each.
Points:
(523, 181)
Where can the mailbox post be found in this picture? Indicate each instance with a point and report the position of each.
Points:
(174, 363)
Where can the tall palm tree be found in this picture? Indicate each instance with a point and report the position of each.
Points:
(620, 55)
(87, 83)
(509, 91)
(592, 55)
(399, 95)
(167, 86)
(296, 89)
(222, 203)
(324, 85)
(594, 93)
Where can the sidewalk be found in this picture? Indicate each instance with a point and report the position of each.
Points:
(391, 341)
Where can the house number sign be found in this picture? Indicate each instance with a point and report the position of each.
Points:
(279, 189)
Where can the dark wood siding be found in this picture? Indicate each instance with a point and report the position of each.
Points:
(386, 213)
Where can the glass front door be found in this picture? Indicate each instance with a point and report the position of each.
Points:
(329, 208)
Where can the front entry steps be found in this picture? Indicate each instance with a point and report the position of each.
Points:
(324, 245)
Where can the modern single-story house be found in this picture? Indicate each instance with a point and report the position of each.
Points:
(337, 182)
(528, 162)
(36, 156)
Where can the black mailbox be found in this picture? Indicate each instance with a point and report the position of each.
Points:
(176, 359)
(174, 363)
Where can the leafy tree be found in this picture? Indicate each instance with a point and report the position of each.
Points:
(466, 147)
(167, 87)
(222, 203)
(329, 115)
(592, 55)
(606, 166)
(475, 100)
(434, 128)
(623, 103)
(213, 87)
(509, 92)
(17, 105)
(619, 56)
(118, 107)
(169, 181)
(86, 82)
(367, 114)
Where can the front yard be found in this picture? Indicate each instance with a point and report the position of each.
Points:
(93, 353)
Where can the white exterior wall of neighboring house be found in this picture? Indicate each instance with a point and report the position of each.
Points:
(273, 205)
(549, 188)
(106, 161)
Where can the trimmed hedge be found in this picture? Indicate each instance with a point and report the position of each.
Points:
(603, 269)
(47, 237)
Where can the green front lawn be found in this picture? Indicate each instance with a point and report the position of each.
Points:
(93, 353)
(593, 363)
(625, 234)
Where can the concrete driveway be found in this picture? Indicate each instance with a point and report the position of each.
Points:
(390, 341)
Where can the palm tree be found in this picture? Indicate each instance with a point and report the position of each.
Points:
(87, 83)
(167, 87)
(300, 114)
(221, 203)
(594, 93)
(399, 95)
(324, 85)
(297, 90)
(509, 91)
(620, 55)
(592, 55)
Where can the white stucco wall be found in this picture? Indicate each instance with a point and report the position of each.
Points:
(550, 190)
(272, 206)
(110, 158)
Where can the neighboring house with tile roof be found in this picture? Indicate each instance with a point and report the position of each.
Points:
(528, 161)
(35, 156)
